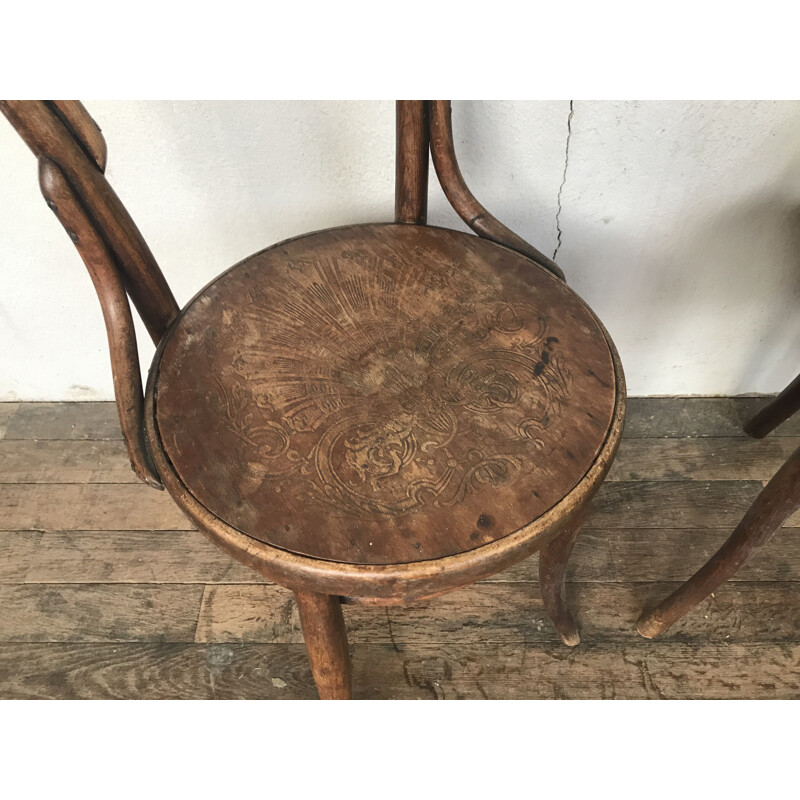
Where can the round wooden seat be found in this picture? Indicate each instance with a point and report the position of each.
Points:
(382, 395)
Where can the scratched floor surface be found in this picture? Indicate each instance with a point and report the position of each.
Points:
(106, 591)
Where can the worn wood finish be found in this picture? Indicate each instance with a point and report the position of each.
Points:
(87, 507)
(443, 671)
(395, 582)
(116, 313)
(99, 613)
(84, 129)
(712, 459)
(411, 166)
(155, 671)
(7, 411)
(419, 393)
(776, 412)
(701, 417)
(553, 560)
(326, 641)
(48, 136)
(152, 557)
(605, 671)
(61, 421)
(678, 504)
(461, 198)
(49, 461)
(490, 639)
(391, 583)
(744, 612)
(17, 554)
(482, 613)
(778, 501)
(507, 613)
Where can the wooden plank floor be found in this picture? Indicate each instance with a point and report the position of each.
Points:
(107, 592)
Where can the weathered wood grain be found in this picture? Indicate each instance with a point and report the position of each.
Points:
(60, 461)
(17, 551)
(712, 459)
(776, 412)
(509, 613)
(668, 554)
(640, 670)
(779, 499)
(632, 671)
(88, 506)
(662, 417)
(99, 613)
(121, 557)
(7, 411)
(113, 289)
(154, 672)
(484, 613)
(64, 421)
(238, 613)
(674, 504)
(669, 504)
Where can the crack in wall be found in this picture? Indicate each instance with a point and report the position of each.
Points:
(563, 178)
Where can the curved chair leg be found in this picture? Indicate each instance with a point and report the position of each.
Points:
(778, 500)
(778, 411)
(553, 559)
(326, 642)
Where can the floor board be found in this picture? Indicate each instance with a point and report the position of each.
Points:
(633, 671)
(107, 591)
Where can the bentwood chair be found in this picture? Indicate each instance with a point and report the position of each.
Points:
(776, 502)
(372, 414)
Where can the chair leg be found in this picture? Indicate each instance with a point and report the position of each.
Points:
(778, 411)
(778, 500)
(553, 559)
(326, 642)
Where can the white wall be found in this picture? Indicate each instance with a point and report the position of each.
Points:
(680, 221)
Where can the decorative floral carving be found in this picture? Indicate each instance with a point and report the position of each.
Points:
(376, 408)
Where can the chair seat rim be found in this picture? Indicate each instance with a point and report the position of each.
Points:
(382, 583)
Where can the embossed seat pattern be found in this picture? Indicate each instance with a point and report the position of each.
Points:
(383, 394)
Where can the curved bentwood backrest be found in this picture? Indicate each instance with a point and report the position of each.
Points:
(427, 124)
(72, 159)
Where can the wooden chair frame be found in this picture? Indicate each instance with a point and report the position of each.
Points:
(776, 502)
(72, 156)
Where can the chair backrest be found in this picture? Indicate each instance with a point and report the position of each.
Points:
(424, 125)
(411, 163)
(63, 133)
(72, 159)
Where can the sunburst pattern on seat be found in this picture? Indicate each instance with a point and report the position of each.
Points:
(375, 382)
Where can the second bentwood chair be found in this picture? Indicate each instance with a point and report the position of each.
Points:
(371, 414)
(775, 503)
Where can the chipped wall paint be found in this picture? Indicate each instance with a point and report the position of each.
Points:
(679, 221)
